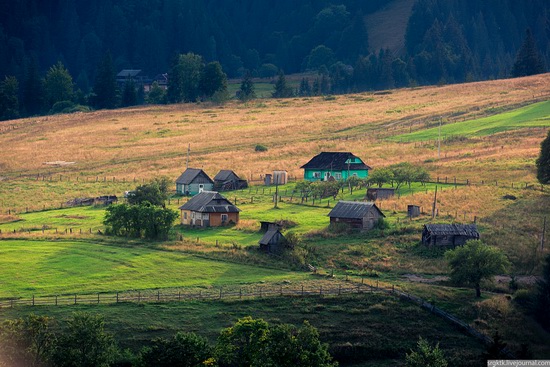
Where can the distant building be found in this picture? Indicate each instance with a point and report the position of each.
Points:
(448, 235)
(193, 181)
(413, 211)
(209, 209)
(160, 79)
(356, 214)
(227, 180)
(131, 74)
(273, 240)
(339, 165)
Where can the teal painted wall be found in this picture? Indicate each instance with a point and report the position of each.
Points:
(310, 175)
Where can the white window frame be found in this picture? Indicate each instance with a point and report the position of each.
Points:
(224, 218)
(316, 174)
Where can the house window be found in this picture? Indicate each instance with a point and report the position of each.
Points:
(355, 174)
(224, 218)
(316, 174)
(338, 176)
(184, 215)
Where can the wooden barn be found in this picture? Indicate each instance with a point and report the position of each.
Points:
(448, 235)
(273, 240)
(378, 193)
(356, 214)
(209, 209)
(193, 181)
(227, 180)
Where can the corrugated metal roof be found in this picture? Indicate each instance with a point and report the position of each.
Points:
(352, 209)
(193, 175)
(335, 161)
(209, 202)
(469, 230)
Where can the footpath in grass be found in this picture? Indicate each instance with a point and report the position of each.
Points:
(61, 267)
(535, 115)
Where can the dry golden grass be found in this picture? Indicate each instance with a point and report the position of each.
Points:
(151, 141)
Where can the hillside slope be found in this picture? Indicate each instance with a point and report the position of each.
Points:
(386, 27)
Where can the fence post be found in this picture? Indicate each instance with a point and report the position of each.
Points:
(240, 293)
(321, 290)
(98, 298)
(158, 295)
(56, 299)
(179, 296)
(33, 299)
(220, 292)
(281, 291)
(339, 289)
(139, 296)
(116, 297)
(302, 290)
(75, 299)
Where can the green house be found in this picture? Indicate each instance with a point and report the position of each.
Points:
(193, 181)
(339, 165)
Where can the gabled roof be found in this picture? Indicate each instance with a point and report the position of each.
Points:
(193, 175)
(268, 236)
(128, 73)
(209, 202)
(225, 175)
(469, 230)
(335, 161)
(352, 209)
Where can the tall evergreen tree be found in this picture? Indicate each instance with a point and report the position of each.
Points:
(281, 89)
(543, 161)
(32, 90)
(105, 87)
(9, 100)
(528, 61)
(58, 85)
(129, 94)
(305, 88)
(246, 92)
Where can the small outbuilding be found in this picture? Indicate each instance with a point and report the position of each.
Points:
(413, 211)
(227, 180)
(448, 235)
(209, 209)
(378, 193)
(193, 181)
(273, 240)
(356, 214)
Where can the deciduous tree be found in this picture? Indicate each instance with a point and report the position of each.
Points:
(183, 350)
(474, 262)
(58, 85)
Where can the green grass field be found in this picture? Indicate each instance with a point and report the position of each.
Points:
(535, 115)
(57, 267)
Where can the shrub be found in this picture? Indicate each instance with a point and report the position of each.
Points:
(260, 148)
(524, 298)
(382, 224)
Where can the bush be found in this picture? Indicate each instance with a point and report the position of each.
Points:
(382, 224)
(524, 298)
(339, 228)
(260, 148)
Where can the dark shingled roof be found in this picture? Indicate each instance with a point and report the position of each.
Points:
(128, 73)
(469, 230)
(209, 202)
(335, 161)
(226, 174)
(268, 236)
(194, 175)
(352, 209)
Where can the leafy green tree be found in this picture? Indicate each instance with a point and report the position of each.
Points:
(156, 192)
(129, 94)
(140, 221)
(242, 344)
(183, 350)
(246, 91)
(184, 78)
(26, 342)
(105, 90)
(268, 71)
(474, 262)
(320, 56)
(213, 79)
(543, 161)
(84, 343)
(380, 176)
(407, 173)
(528, 60)
(9, 100)
(542, 302)
(156, 95)
(58, 85)
(426, 356)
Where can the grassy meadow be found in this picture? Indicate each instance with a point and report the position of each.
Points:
(492, 133)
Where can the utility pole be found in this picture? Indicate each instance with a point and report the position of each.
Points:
(188, 152)
(439, 141)
(434, 204)
(276, 179)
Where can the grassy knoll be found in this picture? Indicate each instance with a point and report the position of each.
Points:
(370, 329)
(53, 267)
(531, 116)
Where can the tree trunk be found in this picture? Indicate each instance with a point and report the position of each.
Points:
(478, 291)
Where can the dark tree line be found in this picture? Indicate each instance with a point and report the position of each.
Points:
(446, 41)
